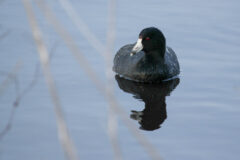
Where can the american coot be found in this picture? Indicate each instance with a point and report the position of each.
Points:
(148, 60)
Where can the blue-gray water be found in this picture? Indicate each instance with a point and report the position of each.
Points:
(202, 112)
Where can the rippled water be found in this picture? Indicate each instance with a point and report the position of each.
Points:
(199, 119)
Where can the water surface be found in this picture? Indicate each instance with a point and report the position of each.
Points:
(198, 119)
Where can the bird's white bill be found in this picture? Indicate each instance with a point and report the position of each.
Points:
(138, 46)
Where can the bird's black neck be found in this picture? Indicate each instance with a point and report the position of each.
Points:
(155, 56)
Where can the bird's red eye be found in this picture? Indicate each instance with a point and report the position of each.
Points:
(147, 38)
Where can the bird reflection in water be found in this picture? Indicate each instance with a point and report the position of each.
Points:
(154, 97)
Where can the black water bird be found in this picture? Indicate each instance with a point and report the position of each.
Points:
(148, 60)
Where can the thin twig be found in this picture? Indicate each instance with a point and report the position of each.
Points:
(15, 79)
(64, 136)
(10, 76)
(70, 43)
(20, 94)
(35, 77)
(8, 126)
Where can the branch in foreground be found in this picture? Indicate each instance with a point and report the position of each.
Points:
(64, 136)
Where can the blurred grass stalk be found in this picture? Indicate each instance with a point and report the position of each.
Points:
(112, 118)
(64, 137)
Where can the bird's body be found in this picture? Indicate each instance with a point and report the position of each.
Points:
(153, 62)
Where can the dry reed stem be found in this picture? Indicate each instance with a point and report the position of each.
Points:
(64, 137)
(112, 118)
